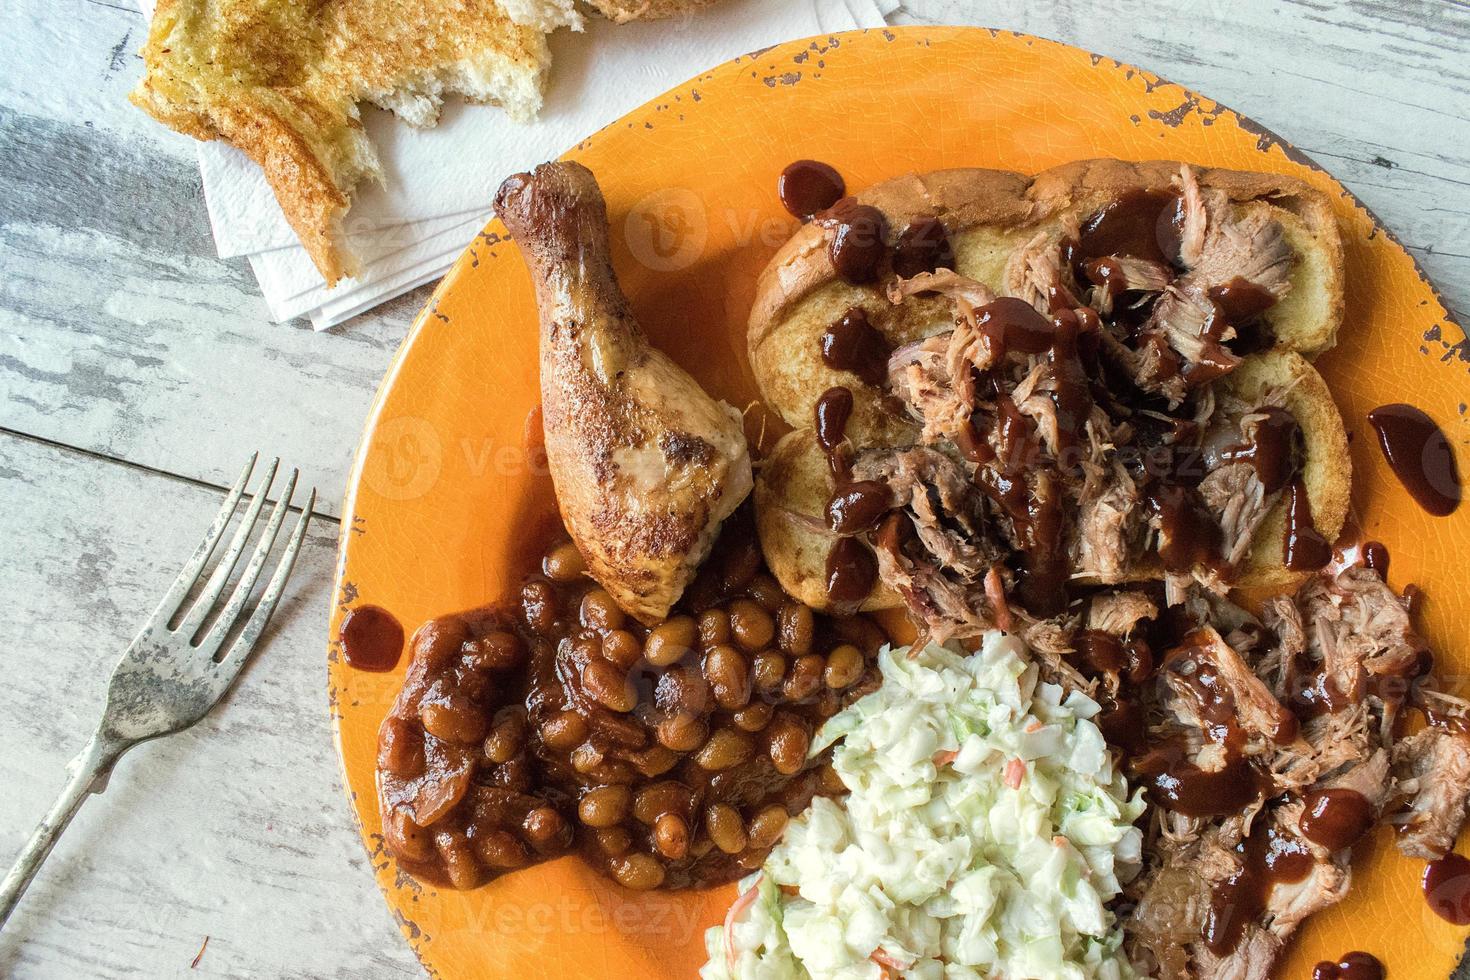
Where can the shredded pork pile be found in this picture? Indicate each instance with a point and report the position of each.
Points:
(1076, 437)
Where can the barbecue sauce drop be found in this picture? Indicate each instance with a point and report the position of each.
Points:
(858, 244)
(922, 247)
(372, 639)
(1143, 223)
(1356, 965)
(808, 186)
(1446, 885)
(1419, 455)
(1335, 818)
(854, 345)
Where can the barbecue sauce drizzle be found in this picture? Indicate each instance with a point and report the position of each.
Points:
(1419, 455)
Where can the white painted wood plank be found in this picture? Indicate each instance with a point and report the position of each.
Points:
(236, 829)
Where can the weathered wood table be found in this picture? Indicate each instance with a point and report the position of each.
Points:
(136, 370)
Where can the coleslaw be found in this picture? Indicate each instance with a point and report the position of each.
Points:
(985, 831)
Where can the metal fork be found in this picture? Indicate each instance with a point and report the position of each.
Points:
(171, 675)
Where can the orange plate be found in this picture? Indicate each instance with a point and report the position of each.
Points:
(448, 492)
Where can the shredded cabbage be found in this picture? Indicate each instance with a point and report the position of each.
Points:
(984, 833)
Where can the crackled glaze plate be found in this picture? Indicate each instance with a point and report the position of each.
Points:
(450, 488)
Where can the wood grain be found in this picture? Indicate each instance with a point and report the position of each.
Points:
(123, 336)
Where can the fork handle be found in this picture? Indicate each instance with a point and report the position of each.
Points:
(88, 770)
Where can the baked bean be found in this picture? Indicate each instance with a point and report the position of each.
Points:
(827, 703)
(729, 676)
(751, 625)
(682, 689)
(601, 611)
(844, 667)
(538, 606)
(586, 758)
(622, 648)
(753, 717)
(563, 563)
(830, 781)
(501, 850)
(613, 841)
(862, 633)
(787, 741)
(505, 739)
(516, 774)
(439, 641)
(725, 828)
(585, 646)
(401, 747)
(406, 839)
(458, 857)
(725, 749)
(765, 827)
(767, 591)
(609, 685)
(714, 627)
(564, 731)
(497, 650)
(682, 732)
(669, 641)
(655, 760)
(451, 717)
(604, 806)
(795, 628)
(806, 677)
(769, 670)
(740, 566)
(545, 827)
(656, 799)
(671, 836)
(638, 871)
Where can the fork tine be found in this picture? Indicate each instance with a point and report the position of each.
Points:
(234, 659)
(189, 574)
(231, 612)
(197, 613)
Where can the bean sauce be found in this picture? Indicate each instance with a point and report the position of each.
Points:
(1419, 455)
(666, 756)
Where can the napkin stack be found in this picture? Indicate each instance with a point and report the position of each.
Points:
(439, 181)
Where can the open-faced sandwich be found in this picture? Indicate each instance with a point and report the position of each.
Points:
(1070, 424)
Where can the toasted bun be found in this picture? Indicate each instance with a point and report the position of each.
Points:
(281, 81)
(989, 214)
(1327, 469)
(792, 488)
(795, 480)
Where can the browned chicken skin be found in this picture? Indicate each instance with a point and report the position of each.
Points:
(646, 464)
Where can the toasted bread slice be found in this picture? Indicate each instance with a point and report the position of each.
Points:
(794, 480)
(792, 488)
(281, 81)
(988, 215)
(1327, 471)
(622, 11)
